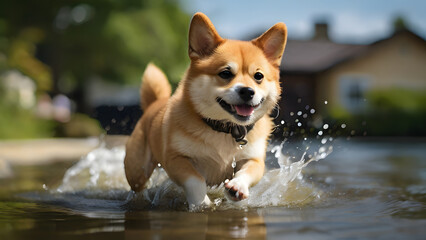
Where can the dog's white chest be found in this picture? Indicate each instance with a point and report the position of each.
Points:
(212, 155)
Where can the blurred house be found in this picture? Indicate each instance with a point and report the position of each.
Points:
(321, 74)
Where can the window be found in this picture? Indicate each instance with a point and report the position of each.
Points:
(353, 90)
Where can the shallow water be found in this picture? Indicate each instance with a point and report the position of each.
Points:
(358, 189)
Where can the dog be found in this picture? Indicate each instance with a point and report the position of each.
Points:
(214, 129)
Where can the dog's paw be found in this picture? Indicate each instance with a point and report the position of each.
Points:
(236, 189)
(205, 204)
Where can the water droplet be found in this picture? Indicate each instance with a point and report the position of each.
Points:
(291, 113)
(343, 125)
(113, 120)
(305, 139)
(320, 133)
(306, 107)
(305, 115)
(325, 126)
(353, 132)
(159, 165)
(325, 102)
(312, 111)
(323, 141)
(45, 187)
(299, 124)
(299, 113)
(299, 100)
(234, 163)
(282, 122)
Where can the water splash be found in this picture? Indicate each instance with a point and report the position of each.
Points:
(100, 174)
(286, 185)
(101, 169)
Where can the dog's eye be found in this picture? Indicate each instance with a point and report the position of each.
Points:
(226, 74)
(258, 76)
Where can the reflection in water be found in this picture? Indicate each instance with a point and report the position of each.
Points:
(186, 225)
(361, 190)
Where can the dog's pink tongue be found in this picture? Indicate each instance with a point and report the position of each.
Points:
(244, 110)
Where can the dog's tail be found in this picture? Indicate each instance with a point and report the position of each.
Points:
(154, 86)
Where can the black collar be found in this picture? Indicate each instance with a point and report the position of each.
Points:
(238, 132)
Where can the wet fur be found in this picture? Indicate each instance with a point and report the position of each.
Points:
(171, 131)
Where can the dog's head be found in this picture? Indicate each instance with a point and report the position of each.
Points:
(236, 81)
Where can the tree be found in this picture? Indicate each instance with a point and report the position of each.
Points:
(65, 44)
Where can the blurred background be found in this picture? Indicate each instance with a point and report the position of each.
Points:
(72, 68)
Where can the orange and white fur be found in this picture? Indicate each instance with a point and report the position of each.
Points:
(233, 82)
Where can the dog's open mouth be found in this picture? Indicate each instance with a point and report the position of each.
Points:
(240, 111)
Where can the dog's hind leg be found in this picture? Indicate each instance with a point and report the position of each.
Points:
(138, 163)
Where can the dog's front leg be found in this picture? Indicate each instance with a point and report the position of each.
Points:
(248, 174)
(185, 175)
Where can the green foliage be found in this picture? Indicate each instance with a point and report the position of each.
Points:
(397, 112)
(149, 35)
(62, 45)
(403, 100)
(75, 40)
(18, 123)
(392, 112)
(79, 126)
(399, 23)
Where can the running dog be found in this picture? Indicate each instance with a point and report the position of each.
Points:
(216, 125)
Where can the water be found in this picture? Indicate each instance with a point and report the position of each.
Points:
(100, 174)
(313, 189)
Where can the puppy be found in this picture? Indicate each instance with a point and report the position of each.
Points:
(216, 125)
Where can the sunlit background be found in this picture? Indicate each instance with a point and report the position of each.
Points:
(354, 81)
(73, 68)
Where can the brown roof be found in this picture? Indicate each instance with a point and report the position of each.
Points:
(311, 56)
(317, 55)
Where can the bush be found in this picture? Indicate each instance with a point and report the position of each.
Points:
(18, 123)
(392, 112)
(397, 112)
(79, 126)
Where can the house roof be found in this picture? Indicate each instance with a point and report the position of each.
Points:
(312, 56)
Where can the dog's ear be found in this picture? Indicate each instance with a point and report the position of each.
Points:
(273, 42)
(203, 37)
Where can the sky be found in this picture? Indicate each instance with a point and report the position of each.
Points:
(350, 21)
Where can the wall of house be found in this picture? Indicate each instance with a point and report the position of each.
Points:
(397, 62)
(298, 91)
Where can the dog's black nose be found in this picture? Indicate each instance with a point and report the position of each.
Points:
(246, 93)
